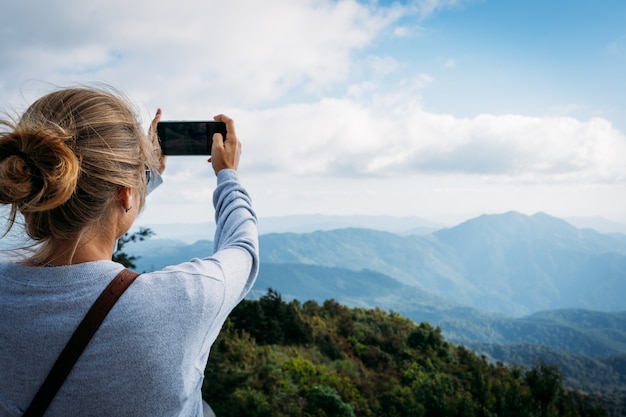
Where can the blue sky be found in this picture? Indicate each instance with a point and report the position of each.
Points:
(522, 57)
(441, 109)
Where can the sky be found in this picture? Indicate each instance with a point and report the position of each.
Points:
(440, 109)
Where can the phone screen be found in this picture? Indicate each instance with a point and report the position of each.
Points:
(188, 138)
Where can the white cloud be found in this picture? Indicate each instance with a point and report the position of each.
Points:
(345, 138)
(191, 58)
(526, 148)
(238, 51)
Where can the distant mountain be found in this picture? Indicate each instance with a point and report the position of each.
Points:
(412, 260)
(539, 262)
(410, 225)
(508, 263)
(155, 254)
(599, 224)
(579, 332)
(317, 222)
(365, 288)
(192, 232)
(606, 375)
(187, 233)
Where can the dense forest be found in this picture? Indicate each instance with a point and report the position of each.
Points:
(278, 358)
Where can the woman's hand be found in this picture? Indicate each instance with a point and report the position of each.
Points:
(152, 134)
(225, 151)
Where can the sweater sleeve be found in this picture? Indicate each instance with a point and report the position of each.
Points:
(236, 246)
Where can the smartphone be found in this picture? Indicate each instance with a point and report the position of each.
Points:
(188, 138)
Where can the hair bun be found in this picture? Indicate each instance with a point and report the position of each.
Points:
(38, 171)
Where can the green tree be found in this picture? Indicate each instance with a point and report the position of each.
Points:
(545, 383)
(272, 321)
(326, 402)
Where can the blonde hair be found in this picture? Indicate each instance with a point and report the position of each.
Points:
(63, 162)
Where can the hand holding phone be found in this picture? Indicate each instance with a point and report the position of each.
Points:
(226, 150)
(189, 137)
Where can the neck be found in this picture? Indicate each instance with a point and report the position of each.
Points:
(87, 247)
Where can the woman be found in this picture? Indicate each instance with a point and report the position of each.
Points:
(77, 167)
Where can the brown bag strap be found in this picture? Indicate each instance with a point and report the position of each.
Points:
(79, 341)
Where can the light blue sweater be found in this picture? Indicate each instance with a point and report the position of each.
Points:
(149, 355)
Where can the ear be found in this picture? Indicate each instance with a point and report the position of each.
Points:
(125, 196)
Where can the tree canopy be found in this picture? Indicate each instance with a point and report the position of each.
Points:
(278, 358)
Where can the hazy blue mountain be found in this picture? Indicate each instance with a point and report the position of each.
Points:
(540, 262)
(509, 263)
(583, 319)
(578, 332)
(599, 224)
(606, 375)
(316, 222)
(365, 288)
(192, 232)
(187, 233)
(155, 254)
(410, 225)
(412, 260)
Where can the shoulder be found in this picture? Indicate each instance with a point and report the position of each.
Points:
(194, 287)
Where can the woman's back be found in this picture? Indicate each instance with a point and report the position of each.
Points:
(139, 361)
(79, 177)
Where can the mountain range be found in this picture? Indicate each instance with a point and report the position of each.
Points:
(510, 263)
(512, 286)
(307, 223)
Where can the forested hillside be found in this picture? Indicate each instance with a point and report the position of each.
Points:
(275, 358)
